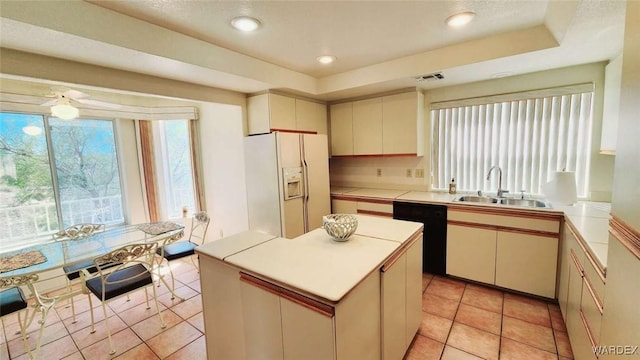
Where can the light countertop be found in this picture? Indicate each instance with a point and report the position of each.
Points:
(313, 262)
(337, 190)
(222, 248)
(427, 196)
(375, 193)
(388, 229)
(316, 264)
(590, 219)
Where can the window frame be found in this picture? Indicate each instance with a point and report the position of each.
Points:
(29, 241)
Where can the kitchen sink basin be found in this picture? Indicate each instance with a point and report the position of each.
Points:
(525, 202)
(532, 203)
(477, 199)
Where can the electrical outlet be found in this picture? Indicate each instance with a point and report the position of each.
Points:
(379, 172)
(419, 173)
(408, 172)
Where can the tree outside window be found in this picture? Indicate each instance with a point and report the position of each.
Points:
(80, 154)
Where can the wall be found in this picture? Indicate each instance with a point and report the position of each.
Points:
(222, 149)
(362, 172)
(621, 318)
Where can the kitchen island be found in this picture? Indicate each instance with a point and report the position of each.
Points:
(311, 297)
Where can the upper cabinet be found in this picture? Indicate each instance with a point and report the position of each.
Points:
(386, 125)
(342, 129)
(403, 124)
(274, 112)
(611, 107)
(367, 126)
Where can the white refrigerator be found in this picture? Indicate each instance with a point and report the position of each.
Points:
(287, 182)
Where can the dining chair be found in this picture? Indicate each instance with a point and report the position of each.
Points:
(133, 270)
(72, 271)
(14, 301)
(172, 249)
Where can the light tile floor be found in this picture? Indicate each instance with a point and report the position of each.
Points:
(466, 321)
(459, 321)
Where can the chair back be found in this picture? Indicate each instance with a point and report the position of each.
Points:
(199, 225)
(110, 265)
(77, 231)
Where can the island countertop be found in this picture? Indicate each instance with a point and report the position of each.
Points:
(313, 262)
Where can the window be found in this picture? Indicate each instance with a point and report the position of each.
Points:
(529, 135)
(55, 173)
(175, 167)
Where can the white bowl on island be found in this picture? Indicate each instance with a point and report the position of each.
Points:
(340, 226)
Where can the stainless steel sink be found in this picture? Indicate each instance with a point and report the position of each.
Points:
(477, 199)
(525, 202)
(532, 203)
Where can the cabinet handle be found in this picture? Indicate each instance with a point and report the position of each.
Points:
(292, 296)
(593, 295)
(588, 329)
(577, 263)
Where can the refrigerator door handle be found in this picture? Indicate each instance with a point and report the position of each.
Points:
(305, 176)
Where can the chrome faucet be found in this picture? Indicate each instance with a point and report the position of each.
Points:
(501, 191)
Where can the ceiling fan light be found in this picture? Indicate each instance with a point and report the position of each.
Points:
(460, 19)
(65, 111)
(245, 23)
(32, 130)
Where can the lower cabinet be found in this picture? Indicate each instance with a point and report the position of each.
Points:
(527, 263)
(471, 253)
(284, 329)
(401, 286)
(493, 253)
(281, 324)
(362, 206)
(579, 300)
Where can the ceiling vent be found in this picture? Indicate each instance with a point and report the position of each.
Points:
(433, 76)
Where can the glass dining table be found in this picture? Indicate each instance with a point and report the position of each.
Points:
(42, 262)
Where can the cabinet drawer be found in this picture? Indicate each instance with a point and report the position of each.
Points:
(596, 280)
(531, 222)
(375, 208)
(592, 311)
(344, 206)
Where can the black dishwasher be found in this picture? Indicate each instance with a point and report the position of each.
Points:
(434, 218)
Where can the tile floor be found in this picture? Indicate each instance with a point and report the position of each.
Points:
(466, 321)
(459, 321)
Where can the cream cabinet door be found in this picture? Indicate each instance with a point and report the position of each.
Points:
(223, 318)
(527, 263)
(367, 127)
(262, 324)
(282, 110)
(394, 301)
(341, 129)
(471, 253)
(414, 290)
(400, 124)
(306, 334)
(311, 116)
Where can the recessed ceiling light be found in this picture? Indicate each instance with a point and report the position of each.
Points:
(326, 59)
(460, 19)
(245, 23)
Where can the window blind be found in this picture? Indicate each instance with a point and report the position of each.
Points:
(529, 138)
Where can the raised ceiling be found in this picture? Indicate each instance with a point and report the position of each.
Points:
(379, 45)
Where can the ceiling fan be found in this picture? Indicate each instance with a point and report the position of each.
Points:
(61, 106)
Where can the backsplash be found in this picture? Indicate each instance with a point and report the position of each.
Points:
(363, 172)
